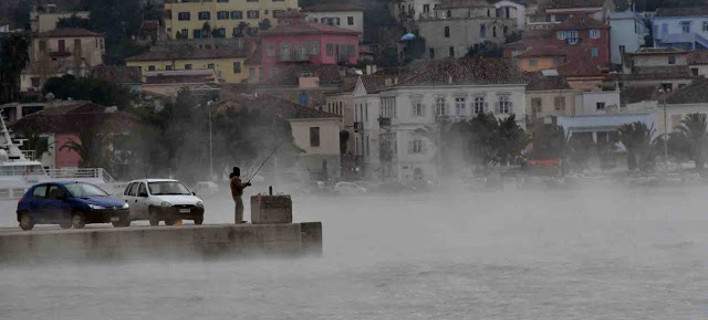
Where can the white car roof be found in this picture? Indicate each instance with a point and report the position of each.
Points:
(154, 180)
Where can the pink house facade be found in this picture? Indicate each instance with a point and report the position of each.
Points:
(295, 40)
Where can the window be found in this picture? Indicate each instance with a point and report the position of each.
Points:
(188, 67)
(536, 106)
(479, 105)
(446, 32)
(451, 52)
(572, 37)
(672, 59)
(350, 21)
(686, 26)
(415, 146)
(314, 136)
(559, 103)
(440, 106)
(504, 105)
(236, 15)
(204, 15)
(184, 16)
(237, 67)
(594, 52)
(594, 34)
(460, 106)
(39, 192)
(600, 106)
(252, 14)
(418, 109)
(222, 15)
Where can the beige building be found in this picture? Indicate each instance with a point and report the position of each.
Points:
(456, 26)
(343, 15)
(221, 18)
(62, 51)
(45, 17)
(227, 64)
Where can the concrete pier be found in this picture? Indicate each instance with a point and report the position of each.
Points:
(179, 242)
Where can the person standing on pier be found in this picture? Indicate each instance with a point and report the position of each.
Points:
(237, 188)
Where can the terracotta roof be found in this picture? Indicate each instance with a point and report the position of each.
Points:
(475, 70)
(698, 57)
(538, 82)
(189, 53)
(305, 27)
(333, 7)
(570, 4)
(68, 33)
(117, 74)
(277, 106)
(694, 93)
(580, 22)
(657, 51)
(683, 12)
(64, 118)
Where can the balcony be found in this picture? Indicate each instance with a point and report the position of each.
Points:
(384, 122)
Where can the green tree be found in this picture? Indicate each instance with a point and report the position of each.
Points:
(693, 130)
(14, 56)
(637, 140)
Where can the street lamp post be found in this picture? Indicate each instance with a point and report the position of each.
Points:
(211, 143)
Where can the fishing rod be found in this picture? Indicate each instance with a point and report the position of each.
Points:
(265, 161)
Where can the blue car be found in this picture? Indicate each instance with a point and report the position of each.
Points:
(70, 204)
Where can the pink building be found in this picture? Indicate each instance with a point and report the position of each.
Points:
(295, 40)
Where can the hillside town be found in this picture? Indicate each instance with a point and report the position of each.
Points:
(400, 91)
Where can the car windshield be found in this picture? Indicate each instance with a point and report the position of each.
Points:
(82, 190)
(165, 188)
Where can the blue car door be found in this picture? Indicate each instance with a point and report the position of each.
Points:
(56, 205)
(37, 205)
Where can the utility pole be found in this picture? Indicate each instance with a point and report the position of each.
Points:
(211, 143)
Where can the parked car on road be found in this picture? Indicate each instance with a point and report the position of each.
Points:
(165, 200)
(70, 204)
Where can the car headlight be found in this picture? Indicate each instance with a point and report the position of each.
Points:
(96, 207)
(200, 204)
(126, 206)
(165, 204)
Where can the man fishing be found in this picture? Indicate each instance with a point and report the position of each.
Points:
(237, 188)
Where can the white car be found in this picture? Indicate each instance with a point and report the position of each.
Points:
(166, 200)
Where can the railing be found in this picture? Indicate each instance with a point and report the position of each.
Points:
(80, 173)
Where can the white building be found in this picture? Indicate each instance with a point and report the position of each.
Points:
(685, 27)
(513, 9)
(343, 15)
(627, 32)
(400, 123)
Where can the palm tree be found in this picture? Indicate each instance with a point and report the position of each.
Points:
(693, 129)
(636, 138)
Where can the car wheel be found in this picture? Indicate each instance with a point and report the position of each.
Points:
(153, 218)
(78, 221)
(199, 220)
(26, 222)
